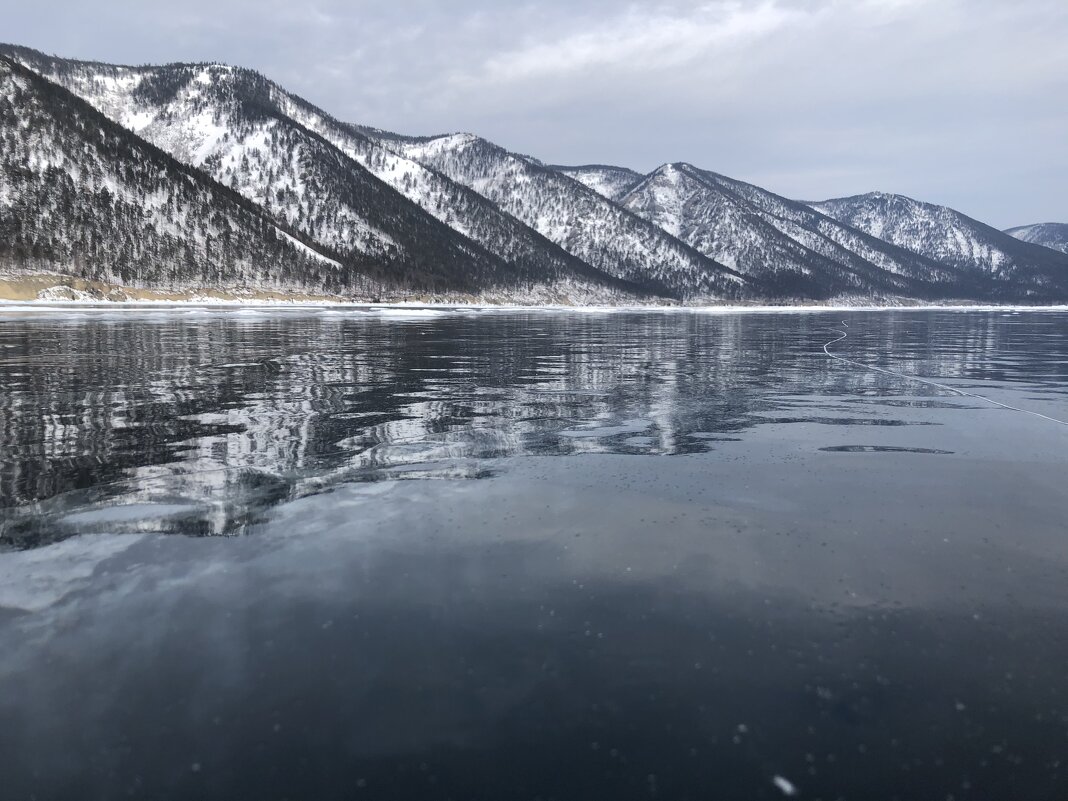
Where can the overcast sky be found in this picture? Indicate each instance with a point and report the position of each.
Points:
(962, 102)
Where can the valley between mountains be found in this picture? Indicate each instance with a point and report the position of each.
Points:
(207, 180)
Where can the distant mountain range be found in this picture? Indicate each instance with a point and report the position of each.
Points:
(951, 238)
(209, 178)
(1050, 235)
(785, 245)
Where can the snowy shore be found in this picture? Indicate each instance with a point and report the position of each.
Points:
(214, 305)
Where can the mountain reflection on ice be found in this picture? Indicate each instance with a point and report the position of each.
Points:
(204, 421)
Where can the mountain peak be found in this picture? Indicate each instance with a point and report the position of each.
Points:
(673, 167)
(875, 196)
(946, 236)
(458, 138)
(571, 207)
(788, 246)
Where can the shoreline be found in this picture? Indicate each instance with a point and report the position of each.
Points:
(53, 293)
(217, 305)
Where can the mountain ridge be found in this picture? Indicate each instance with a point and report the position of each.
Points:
(794, 247)
(605, 179)
(1049, 235)
(57, 167)
(455, 214)
(570, 213)
(1018, 269)
(217, 119)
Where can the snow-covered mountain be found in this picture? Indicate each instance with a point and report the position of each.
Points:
(1048, 235)
(336, 186)
(534, 258)
(569, 213)
(1019, 270)
(69, 174)
(605, 180)
(789, 247)
(262, 188)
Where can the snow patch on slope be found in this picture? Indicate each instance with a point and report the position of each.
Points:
(609, 182)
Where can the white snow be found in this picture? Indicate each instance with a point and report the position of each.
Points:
(936, 232)
(609, 182)
(785, 786)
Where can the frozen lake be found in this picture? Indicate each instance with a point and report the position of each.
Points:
(325, 554)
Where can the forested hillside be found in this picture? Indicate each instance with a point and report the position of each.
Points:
(332, 184)
(83, 196)
(574, 216)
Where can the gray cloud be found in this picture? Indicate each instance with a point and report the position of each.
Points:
(954, 101)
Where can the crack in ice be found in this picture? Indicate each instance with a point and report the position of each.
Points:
(928, 382)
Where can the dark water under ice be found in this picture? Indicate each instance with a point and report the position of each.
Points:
(502, 555)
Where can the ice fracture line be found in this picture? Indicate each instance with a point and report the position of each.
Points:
(928, 382)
